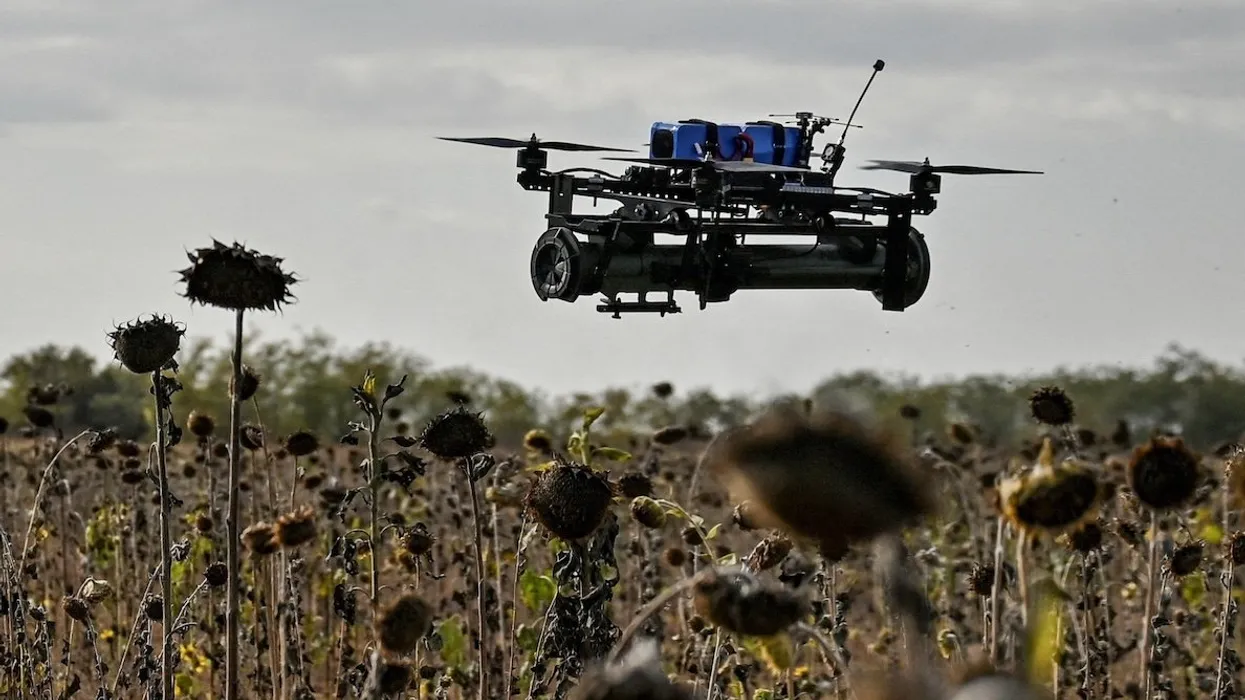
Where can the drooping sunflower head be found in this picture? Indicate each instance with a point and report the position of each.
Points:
(745, 604)
(1164, 473)
(569, 499)
(1051, 498)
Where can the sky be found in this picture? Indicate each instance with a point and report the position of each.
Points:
(134, 130)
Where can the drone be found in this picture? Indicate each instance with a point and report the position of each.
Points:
(716, 192)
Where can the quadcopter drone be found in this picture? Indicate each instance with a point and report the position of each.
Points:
(718, 188)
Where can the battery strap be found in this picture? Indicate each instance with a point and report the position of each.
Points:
(711, 136)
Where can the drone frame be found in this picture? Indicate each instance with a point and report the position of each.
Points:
(710, 203)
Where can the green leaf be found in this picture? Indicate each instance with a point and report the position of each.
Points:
(1193, 590)
(453, 643)
(611, 453)
(591, 415)
(729, 560)
(536, 590)
(528, 638)
(713, 531)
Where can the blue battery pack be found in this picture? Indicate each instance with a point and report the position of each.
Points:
(766, 142)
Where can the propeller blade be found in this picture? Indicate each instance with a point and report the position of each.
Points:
(568, 146)
(903, 166)
(911, 166)
(978, 170)
(494, 141)
(500, 142)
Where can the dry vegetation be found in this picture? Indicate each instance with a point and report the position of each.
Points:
(804, 554)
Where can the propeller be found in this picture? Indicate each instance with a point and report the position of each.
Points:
(500, 142)
(726, 166)
(911, 166)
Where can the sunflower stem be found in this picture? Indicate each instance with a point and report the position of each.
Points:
(1147, 628)
(166, 540)
(373, 484)
(995, 588)
(480, 578)
(232, 668)
(652, 608)
(1229, 582)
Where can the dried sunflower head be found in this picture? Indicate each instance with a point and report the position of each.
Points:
(251, 437)
(769, 552)
(216, 575)
(634, 485)
(569, 499)
(247, 386)
(394, 677)
(638, 675)
(1050, 405)
(101, 440)
(147, 346)
(76, 608)
(261, 539)
(1164, 473)
(1236, 548)
(39, 416)
(539, 441)
(981, 579)
(417, 540)
(297, 528)
(456, 434)
(404, 623)
(742, 603)
(1186, 559)
(1050, 498)
(1086, 538)
(96, 591)
(301, 443)
(200, 424)
(236, 278)
(826, 477)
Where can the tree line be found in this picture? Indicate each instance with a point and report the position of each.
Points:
(306, 386)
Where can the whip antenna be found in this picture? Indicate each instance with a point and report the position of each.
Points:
(878, 65)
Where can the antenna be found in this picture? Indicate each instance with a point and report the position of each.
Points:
(878, 65)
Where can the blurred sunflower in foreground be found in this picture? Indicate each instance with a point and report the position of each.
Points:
(822, 476)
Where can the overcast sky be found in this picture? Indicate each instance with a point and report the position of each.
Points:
(132, 130)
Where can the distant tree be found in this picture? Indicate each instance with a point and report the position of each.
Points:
(306, 384)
